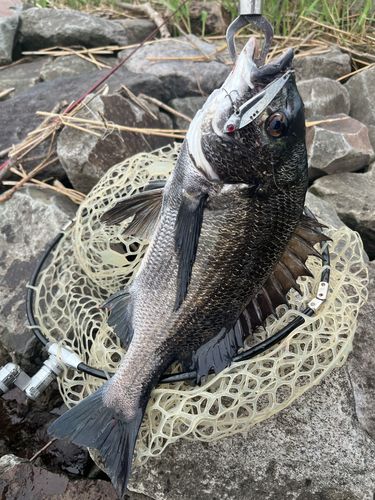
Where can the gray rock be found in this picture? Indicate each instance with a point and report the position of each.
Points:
(361, 88)
(31, 218)
(332, 64)
(22, 76)
(180, 77)
(136, 29)
(352, 195)
(8, 28)
(66, 66)
(336, 147)
(86, 157)
(42, 28)
(9, 461)
(361, 362)
(26, 480)
(323, 96)
(314, 449)
(323, 210)
(188, 106)
(44, 96)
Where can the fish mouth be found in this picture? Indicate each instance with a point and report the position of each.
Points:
(263, 75)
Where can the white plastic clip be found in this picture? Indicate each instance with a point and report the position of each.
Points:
(314, 304)
(322, 290)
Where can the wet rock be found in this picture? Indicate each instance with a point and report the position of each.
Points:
(136, 29)
(352, 195)
(188, 106)
(323, 96)
(31, 218)
(66, 66)
(313, 449)
(22, 76)
(323, 210)
(26, 481)
(332, 64)
(180, 77)
(42, 28)
(86, 158)
(339, 146)
(44, 97)
(217, 18)
(8, 28)
(361, 363)
(361, 88)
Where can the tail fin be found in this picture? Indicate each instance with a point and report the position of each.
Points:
(94, 425)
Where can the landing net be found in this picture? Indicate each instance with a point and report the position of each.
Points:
(92, 261)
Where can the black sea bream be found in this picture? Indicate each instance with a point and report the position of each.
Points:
(228, 240)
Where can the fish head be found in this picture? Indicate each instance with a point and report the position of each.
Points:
(252, 130)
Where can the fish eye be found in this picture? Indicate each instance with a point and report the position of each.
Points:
(276, 124)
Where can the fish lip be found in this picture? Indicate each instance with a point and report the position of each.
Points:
(265, 74)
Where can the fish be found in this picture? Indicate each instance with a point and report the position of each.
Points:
(228, 240)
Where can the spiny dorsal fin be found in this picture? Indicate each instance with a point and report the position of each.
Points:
(220, 351)
(187, 231)
(144, 206)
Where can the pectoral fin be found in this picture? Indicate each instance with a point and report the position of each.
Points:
(187, 231)
(145, 207)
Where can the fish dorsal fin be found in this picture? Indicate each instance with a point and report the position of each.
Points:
(144, 207)
(219, 352)
(119, 317)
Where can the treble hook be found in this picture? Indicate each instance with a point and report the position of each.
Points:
(250, 12)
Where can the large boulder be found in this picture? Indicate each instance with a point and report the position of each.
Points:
(22, 76)
(338, 146)
(352, 195)
(314, 449)
(66, 66)
(136, 29)
(181, 77)
(86, 157)
(42, 28)
(31, 218)
(8, 28)
(333, 64)
(323, 96)
(361, 88)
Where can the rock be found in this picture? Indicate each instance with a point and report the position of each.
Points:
(42, 28)
(31, 218)
(26, 481)
(314, 449)
(8, 28)
(66, 66)
(22, 76)
(44, 97)
(180, 77)
(323, 96)
(86, 158)
(361, 88)
(8, 7)
(217, 18)
(361, 364)
(332, 64)
(136, 29)
(188, 106)
(336, 147)
(352, 195)
(9, 461)
(323, 210)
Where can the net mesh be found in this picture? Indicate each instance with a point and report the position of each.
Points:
(93, 261)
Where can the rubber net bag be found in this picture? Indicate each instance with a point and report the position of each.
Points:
(92, 261)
